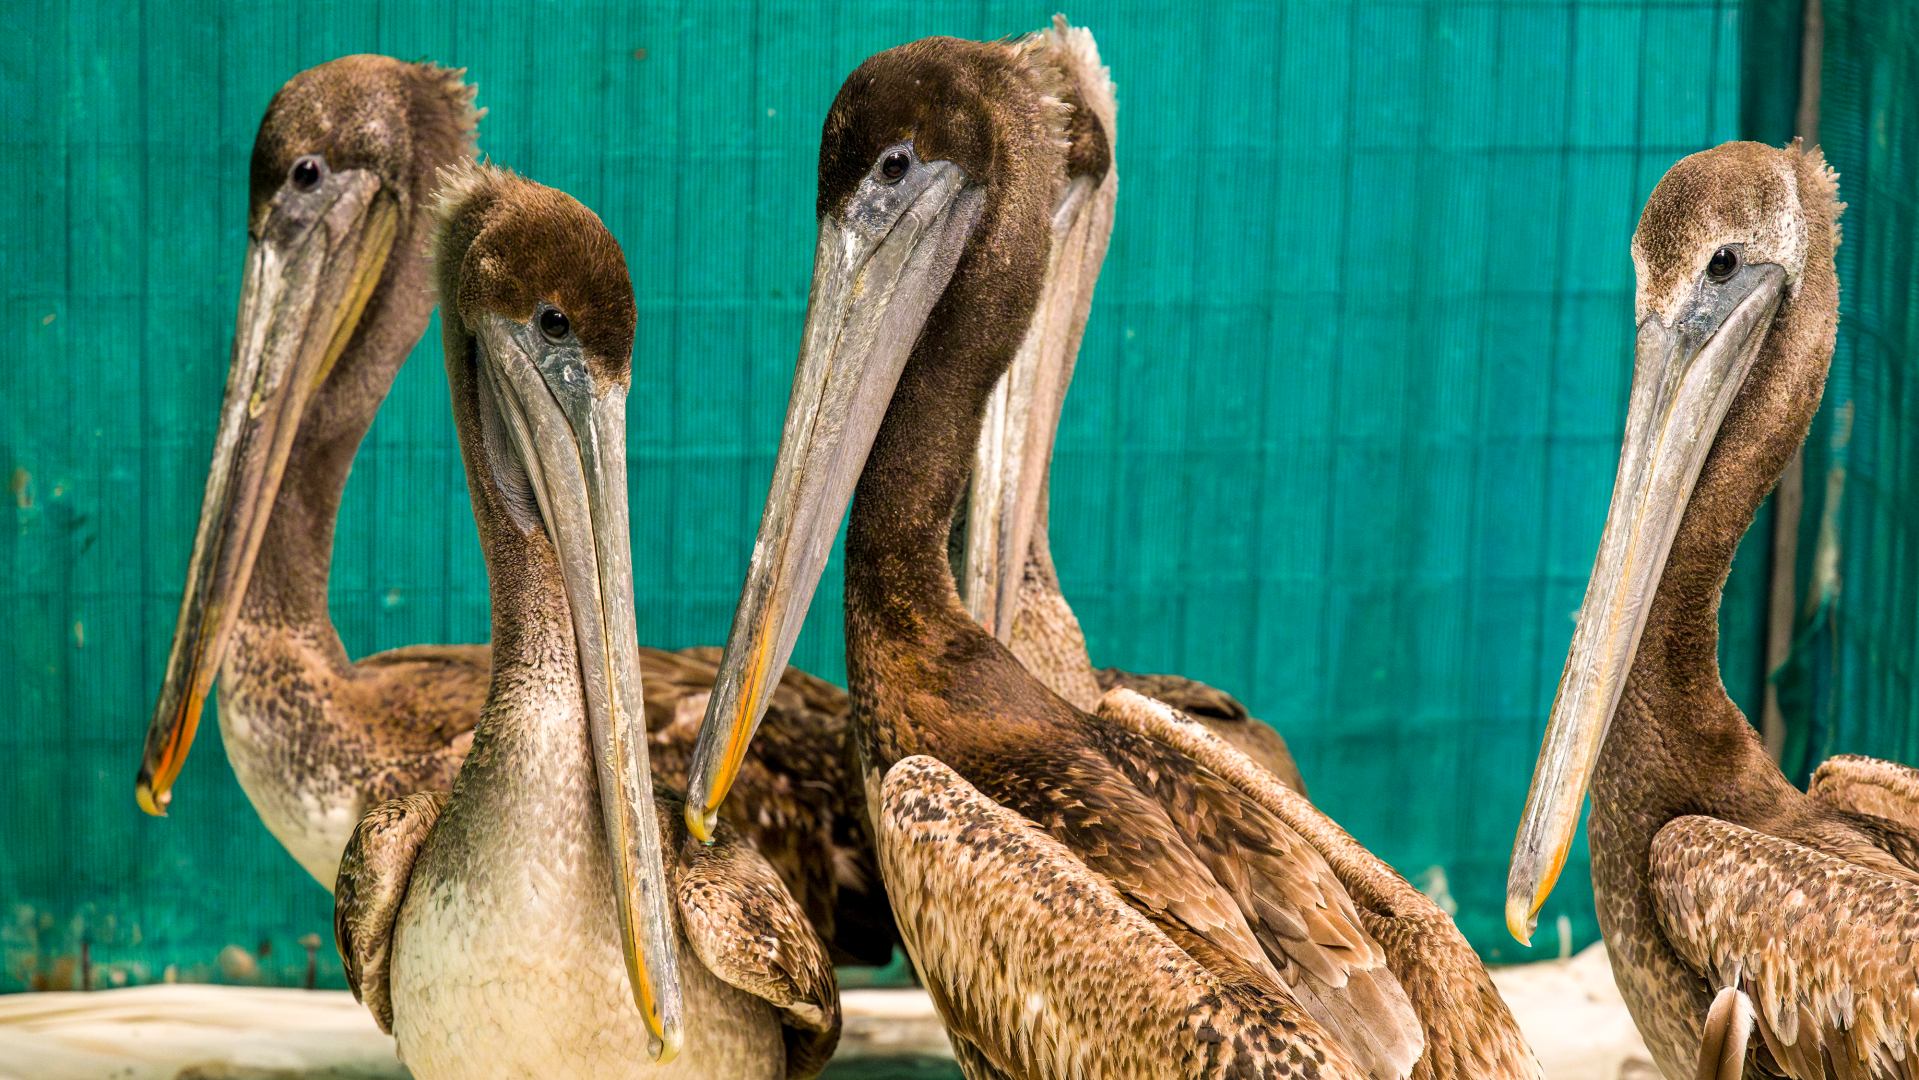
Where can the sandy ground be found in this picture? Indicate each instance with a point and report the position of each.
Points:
(1569, 1010)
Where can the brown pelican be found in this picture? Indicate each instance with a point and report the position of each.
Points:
(1714, 876)
(1016, 597)
(497, 930)
(1107, 895)
(335, 297)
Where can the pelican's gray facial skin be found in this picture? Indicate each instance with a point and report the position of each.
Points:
(566, 437)
(882, 262)
(313, 260)
(1690, 361)
(1008, 491)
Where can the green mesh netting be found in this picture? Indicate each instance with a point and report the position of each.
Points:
(1851, 680)
(1341, 441)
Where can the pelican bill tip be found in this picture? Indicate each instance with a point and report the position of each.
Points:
(1521, 918)
(663, 1048)
(153, 803)
(701, 821)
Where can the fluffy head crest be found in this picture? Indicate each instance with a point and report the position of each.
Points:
(504, 245)
(1093, 128)
(1779, 206)
(400, 121)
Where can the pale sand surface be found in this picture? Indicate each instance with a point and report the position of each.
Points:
(1569, 1010)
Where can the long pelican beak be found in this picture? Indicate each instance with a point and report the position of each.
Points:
(1686, 374)
(1007, 496)
(880, 266)
(570, 439)
(308, 278)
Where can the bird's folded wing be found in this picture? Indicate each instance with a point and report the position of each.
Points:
(749, 932)
(1041, 968)
(1863, 785)
(1468, 1028)
(427, 700)
(1301, 913)
(1190, 696)
(1827, 949)
(1219, 712)
(372, 885)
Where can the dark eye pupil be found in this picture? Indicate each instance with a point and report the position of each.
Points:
(306, 173)
(553, 324)
(893, 165)
(1724, 262)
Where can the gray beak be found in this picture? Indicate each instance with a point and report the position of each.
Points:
(1686, 375)
(1006, 501)
(878, 270)
(308, 278)
(570, 437)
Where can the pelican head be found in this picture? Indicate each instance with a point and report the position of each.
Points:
(940, 164)
(1736, 307)
(538, 315)
(343, 164)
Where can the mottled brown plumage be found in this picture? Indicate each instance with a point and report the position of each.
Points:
(1710, 870)
(495, 898)
(317, 739)
(1031, 849)
(1469, 1030)
(1054, 932)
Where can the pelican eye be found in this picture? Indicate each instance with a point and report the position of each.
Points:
(1724, 262)
(554, 324)
(307, 172)
(894, 165)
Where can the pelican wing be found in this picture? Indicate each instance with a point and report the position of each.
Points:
(1870, 786)
(374, 874)
(1219, 711)
(749, 932)
(1468, 1030)
(1039, 967)
(1301, 914)
(798, 804)
(1190, 696)
(423, 702)
(1827, 949)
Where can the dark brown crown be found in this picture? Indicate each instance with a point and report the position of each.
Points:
(403, 122)
(506, 245)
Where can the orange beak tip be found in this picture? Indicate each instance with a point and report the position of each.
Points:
(152, 802)
(701, 823)
(1522, 916)
(1520, 928)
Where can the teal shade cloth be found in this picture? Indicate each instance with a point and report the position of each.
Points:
(1341, 439)
(1851, 684)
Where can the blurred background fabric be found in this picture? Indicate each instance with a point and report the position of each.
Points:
(1341, 439)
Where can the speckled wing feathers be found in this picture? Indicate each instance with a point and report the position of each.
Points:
(421, 702)
(1301, 915)
(1827, 949)
(1040, 969)
(1871, 786)
(374, 875)
(1219, 711)
(1468, 1030)
(799, 804)
(747, 929)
